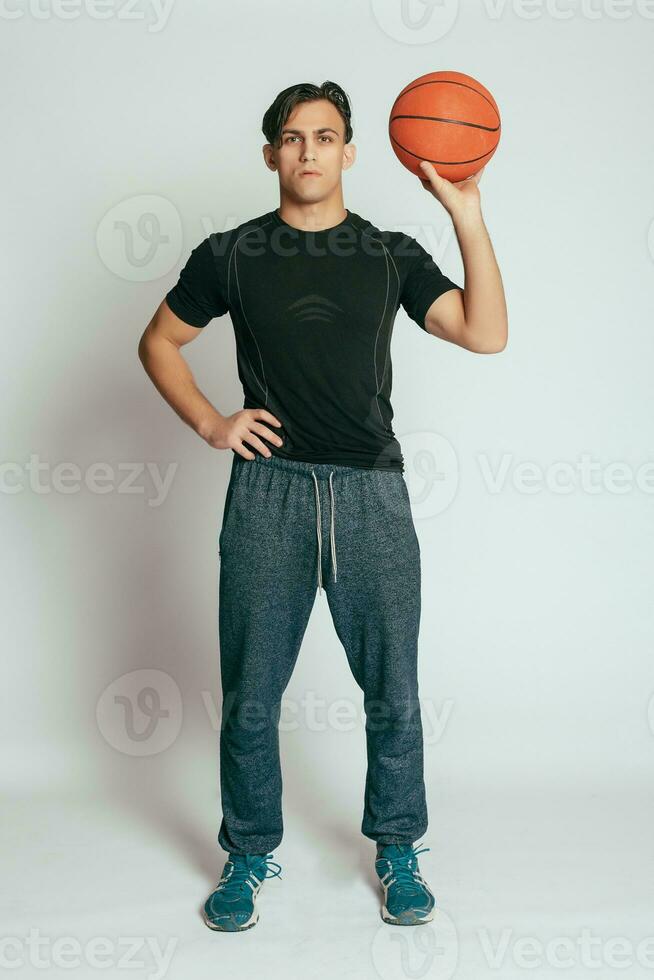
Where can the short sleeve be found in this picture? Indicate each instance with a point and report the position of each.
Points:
(198, 296)
(424, 283)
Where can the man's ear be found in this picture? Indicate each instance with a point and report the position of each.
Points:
(269, 156)
(349, 155)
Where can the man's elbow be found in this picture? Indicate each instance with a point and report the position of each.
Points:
(144, 346)
(494, 348)
(489, 341)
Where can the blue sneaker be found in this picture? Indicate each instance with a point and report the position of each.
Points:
(230, 907)
(408, 900)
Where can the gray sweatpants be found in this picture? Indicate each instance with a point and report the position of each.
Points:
(289, 529)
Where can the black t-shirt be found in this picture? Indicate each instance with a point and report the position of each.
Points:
(313, 314)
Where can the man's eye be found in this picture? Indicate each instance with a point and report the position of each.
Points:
(289, 138)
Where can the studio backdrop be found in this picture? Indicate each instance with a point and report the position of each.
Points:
(131, 132)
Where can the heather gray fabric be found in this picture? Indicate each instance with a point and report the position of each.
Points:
(269, 577)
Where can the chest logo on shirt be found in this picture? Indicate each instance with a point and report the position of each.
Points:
(314, 307)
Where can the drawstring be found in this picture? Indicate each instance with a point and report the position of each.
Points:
(318, 532)
(331, 527)
(332, 536)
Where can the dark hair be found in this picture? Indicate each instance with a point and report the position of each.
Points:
(276, 115)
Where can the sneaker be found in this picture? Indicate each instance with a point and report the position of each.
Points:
(231, 906)
(408, 900)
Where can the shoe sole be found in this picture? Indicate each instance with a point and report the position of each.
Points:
(406, 918)
(229, 925)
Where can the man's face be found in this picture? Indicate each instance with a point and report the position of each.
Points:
(312, 139)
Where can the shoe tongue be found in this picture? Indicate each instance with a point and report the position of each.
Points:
(250, 861)
(394, 850)
(244, 860)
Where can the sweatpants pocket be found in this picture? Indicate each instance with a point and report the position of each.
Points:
(228, 501)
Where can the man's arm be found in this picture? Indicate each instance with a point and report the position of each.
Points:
(159, 352)
(476, 317)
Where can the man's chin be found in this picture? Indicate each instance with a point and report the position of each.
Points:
(306, 196)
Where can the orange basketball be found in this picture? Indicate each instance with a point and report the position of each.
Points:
(447, 118)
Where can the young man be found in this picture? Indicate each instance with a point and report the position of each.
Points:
(317, 497)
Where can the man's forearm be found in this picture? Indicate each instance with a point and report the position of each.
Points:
(486, 315)
(173, 379)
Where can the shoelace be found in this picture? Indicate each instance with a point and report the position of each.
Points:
(403, 869)
(238, 874)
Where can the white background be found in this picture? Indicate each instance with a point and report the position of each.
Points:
(536, 640)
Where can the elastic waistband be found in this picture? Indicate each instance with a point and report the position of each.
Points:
(321, 470)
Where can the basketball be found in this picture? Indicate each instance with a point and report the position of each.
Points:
(448, 118)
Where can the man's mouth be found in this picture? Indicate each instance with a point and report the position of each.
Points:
(310, 173)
